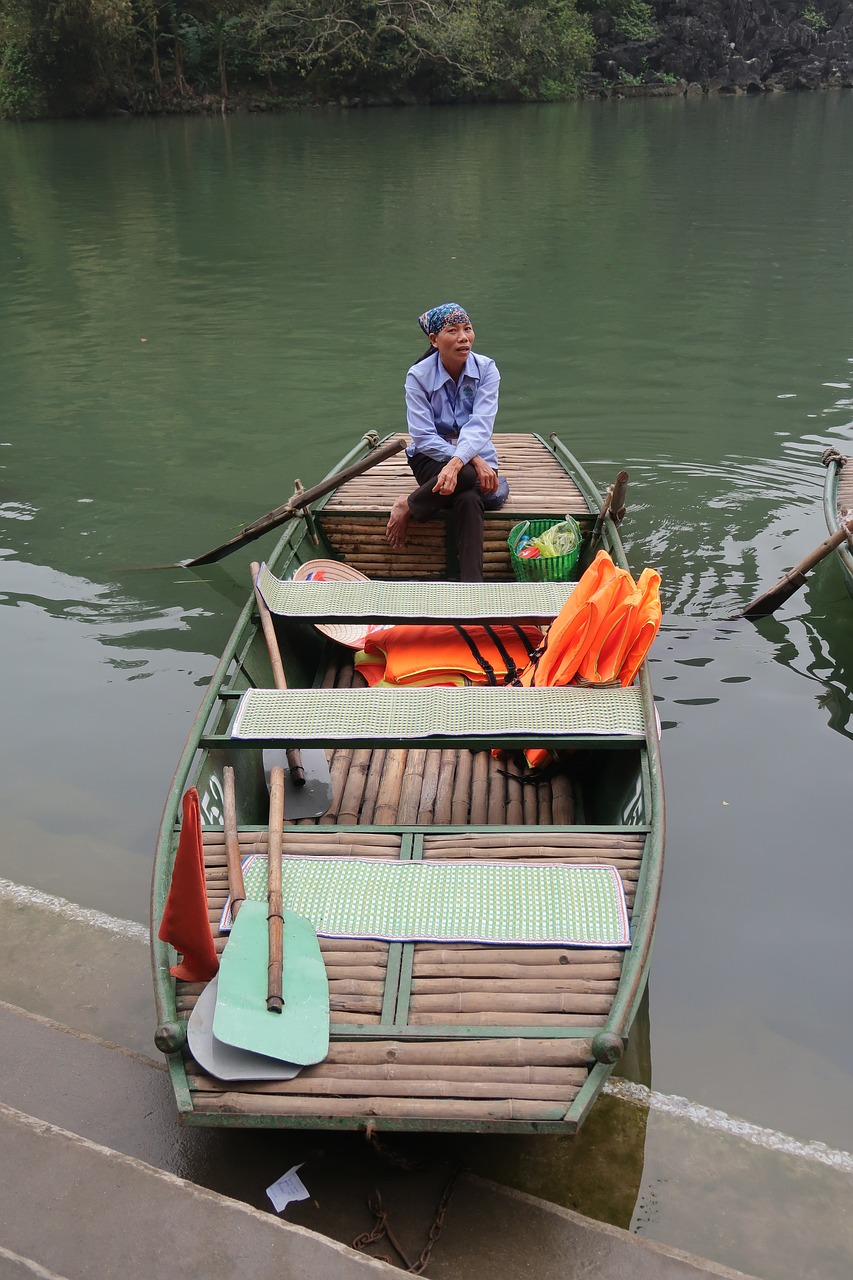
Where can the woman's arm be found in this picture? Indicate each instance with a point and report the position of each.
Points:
(421, 423)
(477, 431)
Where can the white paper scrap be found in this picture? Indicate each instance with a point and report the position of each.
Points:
(289, 1187)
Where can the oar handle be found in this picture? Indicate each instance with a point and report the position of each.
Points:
(275, 916)
(232, 842)
(294, 756)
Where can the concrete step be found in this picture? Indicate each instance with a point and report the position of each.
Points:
(80, 1211)
(90, 1131)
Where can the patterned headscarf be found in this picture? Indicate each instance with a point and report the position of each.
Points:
(439, 317)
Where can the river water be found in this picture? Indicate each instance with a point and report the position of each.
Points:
(194, 312)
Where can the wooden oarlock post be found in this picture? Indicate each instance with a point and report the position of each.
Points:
(613, 505)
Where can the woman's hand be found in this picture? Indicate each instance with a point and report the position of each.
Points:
(445, 481)
(487, 477)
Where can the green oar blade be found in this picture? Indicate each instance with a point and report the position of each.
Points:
(300, 1033)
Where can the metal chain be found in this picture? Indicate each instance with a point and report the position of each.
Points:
(381, 1229)
(437, 1226)
(392, 1156)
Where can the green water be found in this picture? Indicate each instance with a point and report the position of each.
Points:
(195, 312)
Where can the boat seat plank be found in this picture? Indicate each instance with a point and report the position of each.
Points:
(414, 602)
(395, 716)
(537, 481)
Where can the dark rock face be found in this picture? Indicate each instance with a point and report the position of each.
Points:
(723, 46)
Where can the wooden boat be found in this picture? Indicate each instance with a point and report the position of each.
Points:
(429, 1035)
(837, 498)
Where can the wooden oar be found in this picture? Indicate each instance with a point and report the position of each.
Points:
(770, 600)
(272, 963)
(275, 919)
(294, 755)
(301, 498)
(232, 844)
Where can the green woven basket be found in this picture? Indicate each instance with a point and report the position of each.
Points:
(542, 568)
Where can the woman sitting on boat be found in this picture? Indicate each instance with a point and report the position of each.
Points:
(451, 404)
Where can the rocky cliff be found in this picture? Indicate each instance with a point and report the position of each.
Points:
(727, 46)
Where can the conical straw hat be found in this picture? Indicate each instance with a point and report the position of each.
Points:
(351, 634)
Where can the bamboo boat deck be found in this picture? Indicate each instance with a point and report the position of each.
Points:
(354, 516)
(481, 1003)
(428, 1035)
(474, 1009)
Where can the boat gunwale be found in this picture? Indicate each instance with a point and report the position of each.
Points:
(833, 518)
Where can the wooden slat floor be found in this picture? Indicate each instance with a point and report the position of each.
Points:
(349, 520)
(474, 1079)
(420, 786)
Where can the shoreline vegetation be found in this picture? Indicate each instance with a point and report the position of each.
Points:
(140, 57)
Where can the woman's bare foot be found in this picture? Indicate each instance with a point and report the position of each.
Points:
(397, 528)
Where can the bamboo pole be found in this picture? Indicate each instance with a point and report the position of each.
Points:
(427, 1087)
(562, 800)
(354, 785)
(548, 839)
(606, 975)
(294, 756)
(410, 791)
(371, 790)
(507, 1051)
(389, 788)
(444, 788)
(514, 810)
(429, 790)
(489, 1019)
(275, 910)
(497, 792)
(345, 1075)
(232, 847)
(479, 788)
(501, 1001)
(393, 1108)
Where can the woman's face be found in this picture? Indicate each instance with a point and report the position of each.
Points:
(454, 343)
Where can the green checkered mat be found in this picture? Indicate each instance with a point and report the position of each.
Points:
(393, 602)
(526, 904)
(410, 714)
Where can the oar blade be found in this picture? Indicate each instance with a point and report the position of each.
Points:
(222, 1060)
(300, 1033)
(313, 797)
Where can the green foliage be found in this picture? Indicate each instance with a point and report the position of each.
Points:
(814, 18)
(21, 94)
(444, 49)
(77, 55)
(59, 58)
(634, 19)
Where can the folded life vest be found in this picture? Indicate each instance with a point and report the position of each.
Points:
(446, 655)
(601, 635)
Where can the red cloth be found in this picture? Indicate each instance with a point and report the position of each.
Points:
(185, 923)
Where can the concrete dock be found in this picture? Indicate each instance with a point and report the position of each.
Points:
(101, 1180)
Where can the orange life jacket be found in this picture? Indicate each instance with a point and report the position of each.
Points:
(441, 655)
